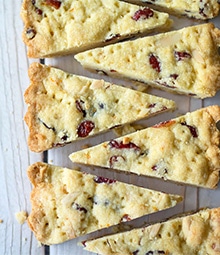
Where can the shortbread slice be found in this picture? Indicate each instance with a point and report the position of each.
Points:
(185, 61)
(184, 149)
(58, 27)
(199, 9)
(67, 203)
(64, 107)
(194, 234)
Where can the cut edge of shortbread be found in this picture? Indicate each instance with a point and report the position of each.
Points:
(157, 157)
(204, 67)
(52, 89)
(42, 43)
(67, 203)
(183, 234)
(208, 11)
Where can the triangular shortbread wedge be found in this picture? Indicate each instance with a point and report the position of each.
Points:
(64, 107)
(67, 203)
(194, 234)
(198, 9)
(185, 150)
(184, 61)
(57, 27)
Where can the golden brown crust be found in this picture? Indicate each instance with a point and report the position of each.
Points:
(214, 111)
(59, 103)
(67, 203)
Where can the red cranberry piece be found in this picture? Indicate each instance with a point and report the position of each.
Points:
(174, 76)
(154, 168)
(154, 62)
(38, 11)
(64, 138)
(114, 159)
(145, 13)
(192, 129)
(79, 107)
(125, 218)
(99, 179)
(85, 128)
(120, 145)
(54, 3)
(180, 55)
(84, 243)
(152, 105)
(80, 208)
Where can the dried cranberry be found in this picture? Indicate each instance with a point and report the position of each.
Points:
(99, 179)
(120, 145)
(64, 137)
(125, 218)
(145, 13)
(164, 124)
(84, 243)
(38, 11)
(154, 167)
(85, 128)
(174, 76)
(54, 3)
(154, 62)
(192, 129)
(79, 107)
(152, 105)
(80, 208)
(114, 159)
(180, 55)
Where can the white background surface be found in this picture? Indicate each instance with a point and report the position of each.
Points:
(15, 156)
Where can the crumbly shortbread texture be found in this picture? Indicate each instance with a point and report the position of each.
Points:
(64, 107)
(199, 9)
(67, 203)
(184, 149)
(193, 234)
(184, 61)
(58, 27)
